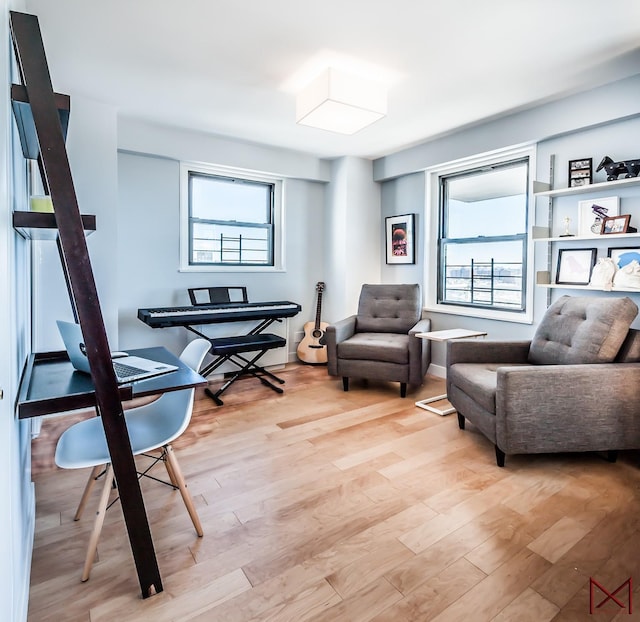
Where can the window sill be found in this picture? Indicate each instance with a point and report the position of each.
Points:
(485, 314)
(232, 269)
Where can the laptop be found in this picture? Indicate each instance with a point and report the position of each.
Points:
(127, 368)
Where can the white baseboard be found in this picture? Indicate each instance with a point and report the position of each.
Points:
(437, 370)
(22, 582)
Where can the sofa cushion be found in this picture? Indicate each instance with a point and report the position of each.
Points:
(386, 347)
(582, 329)
(388, 308)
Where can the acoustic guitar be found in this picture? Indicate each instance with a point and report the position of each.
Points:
(312, 349)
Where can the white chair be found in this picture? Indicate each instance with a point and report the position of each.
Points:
(152, 426)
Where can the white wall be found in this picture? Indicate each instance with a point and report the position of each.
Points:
(139, 136)
(405, 195)
(617, 100)
(352, 252)
(561, 129)
(148, 241)
(92, 150)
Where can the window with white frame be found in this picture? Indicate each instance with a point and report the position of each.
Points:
(480, 221)
(230, 219)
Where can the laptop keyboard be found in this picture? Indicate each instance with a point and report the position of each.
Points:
(123, 371)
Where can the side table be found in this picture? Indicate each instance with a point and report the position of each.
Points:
(444, 335)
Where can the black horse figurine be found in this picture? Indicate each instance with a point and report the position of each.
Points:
(613, 169)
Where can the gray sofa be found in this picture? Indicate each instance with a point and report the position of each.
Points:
(573, 388)
(379, 343)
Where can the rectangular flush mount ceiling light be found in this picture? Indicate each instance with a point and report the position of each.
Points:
(340, 102)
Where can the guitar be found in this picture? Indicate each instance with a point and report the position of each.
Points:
(312, 349)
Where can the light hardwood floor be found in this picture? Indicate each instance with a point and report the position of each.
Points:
(325, 506)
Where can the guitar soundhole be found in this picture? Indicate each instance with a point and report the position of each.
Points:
(317, 334)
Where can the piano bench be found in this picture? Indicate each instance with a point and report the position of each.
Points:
(221, 346)
(231, 348)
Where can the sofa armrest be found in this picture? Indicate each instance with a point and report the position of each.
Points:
(487, 351)
(546, 408)
(419, 352)
(334, 334)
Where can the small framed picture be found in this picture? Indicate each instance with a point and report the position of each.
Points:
(622, 255)
(591, 213)
(616, 224)
(580, 172)
(400, 238)
(575, 266)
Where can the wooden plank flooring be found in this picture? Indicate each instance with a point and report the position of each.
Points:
(325, 506)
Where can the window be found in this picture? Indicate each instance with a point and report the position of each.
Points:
(482, 255)
(229, 220)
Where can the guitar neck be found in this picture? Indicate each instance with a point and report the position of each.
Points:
(318, 310)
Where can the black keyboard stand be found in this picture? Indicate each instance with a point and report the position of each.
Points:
(213, 305)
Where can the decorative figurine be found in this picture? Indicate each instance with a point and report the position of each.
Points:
(614, 169)
(566, 233)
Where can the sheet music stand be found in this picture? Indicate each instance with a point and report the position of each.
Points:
(217, 295)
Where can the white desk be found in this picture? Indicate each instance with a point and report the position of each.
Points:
(444, 335)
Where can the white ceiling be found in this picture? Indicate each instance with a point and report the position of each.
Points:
(230, 67)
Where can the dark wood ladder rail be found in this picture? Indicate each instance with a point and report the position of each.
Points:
(34, 73)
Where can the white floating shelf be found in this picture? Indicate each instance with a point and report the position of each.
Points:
(543, 279)
(588, 189)
(609, 237)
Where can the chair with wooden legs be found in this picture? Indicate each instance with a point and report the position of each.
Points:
(151, 427)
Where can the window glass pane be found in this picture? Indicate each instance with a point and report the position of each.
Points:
(487, 203)
(484, 236)
(484, 273)
(230, 220)
(219, 198)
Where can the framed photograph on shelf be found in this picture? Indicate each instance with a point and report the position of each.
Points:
(592, 212)
(617, 224)
(575, 266)
(400, 238)
(580, 172)
(622, 255)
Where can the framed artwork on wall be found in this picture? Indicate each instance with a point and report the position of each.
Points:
(400, 239)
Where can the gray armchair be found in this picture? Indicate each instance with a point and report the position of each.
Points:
(379, 343)
(572, 388)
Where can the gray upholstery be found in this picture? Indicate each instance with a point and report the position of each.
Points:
(559, 407)
(630, 350)
(387, 347)
(582, 330)
(388, 308)
(379, 343)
